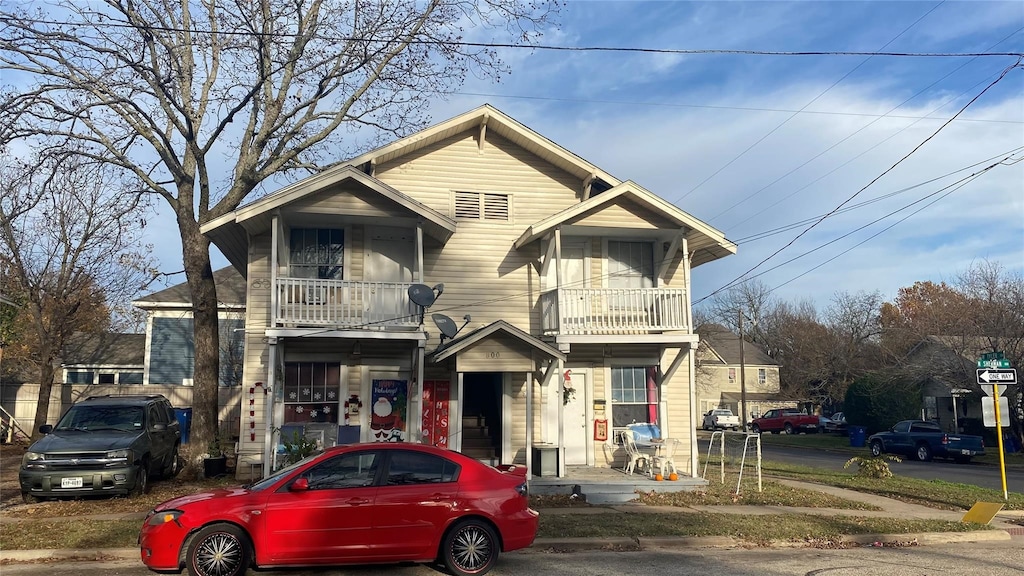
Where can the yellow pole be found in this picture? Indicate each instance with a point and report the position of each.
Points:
(999, 438)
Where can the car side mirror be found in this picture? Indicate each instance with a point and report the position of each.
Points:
(159, 427)
(300, 485)
(46, 429)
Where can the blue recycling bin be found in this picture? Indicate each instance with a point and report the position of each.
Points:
(858, 436)
(184, 417)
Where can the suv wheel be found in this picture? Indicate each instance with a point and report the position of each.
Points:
(174, 466)
(141, 479)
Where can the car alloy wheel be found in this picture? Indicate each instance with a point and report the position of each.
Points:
(470, 549)
(219, 550)
(141, 479)
(876, 449)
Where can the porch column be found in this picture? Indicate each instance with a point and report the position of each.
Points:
(529, 424)
(694, 464)
(561, 417)
(417, 426)
(275, 237)
(268, 406)
(419, 252)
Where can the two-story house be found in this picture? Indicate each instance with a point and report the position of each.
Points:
(723, 373)
(571, 289)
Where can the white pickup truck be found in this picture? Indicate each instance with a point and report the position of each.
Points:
(721, 418)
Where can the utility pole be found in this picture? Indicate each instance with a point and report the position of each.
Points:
(743, 377)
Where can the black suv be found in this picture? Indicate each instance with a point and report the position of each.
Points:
(103, 445)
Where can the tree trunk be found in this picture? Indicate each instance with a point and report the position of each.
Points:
(199, 275)
(45, 391)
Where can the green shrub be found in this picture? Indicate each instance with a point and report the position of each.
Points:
(876, 402)
(873, 467)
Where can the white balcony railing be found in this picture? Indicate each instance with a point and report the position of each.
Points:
(344, 304)
(613, 310)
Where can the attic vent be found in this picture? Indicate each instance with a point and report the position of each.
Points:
(482, 206)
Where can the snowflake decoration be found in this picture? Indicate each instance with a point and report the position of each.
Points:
(292, 395)
(316, 396)
(298, 410)
(305, 391)
(313, 413)
(330, 395)
(326, 409)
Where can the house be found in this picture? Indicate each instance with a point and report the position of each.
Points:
(719, 371)
(946, 368)
(474, 286)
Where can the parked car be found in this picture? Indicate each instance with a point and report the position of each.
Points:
(788, 420)
(721, 418)
(352, 504)
(924, 441)
(103, 445)
(836, 423)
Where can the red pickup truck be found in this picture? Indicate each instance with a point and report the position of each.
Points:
(788, 420)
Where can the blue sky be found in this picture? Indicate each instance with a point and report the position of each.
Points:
(720, 135)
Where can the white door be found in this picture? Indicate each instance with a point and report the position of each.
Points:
(575, 307)
(389, 259)
(575, 418)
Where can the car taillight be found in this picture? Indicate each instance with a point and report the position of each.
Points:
(522, 489)
(945, 439)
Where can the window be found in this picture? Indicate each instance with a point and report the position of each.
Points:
(106, 378)
(630, 264)
(311, 392)
(345, 471)
(482, 206)
(418, 468)
(634, 395)
(732, 375)
(81, 377)
(316, 253)
(762, 376)
(129, 378)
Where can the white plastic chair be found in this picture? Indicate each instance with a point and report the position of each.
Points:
(665, 458)
(634, 458)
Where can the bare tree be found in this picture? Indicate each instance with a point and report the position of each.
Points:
(67, 249)
(174, 89)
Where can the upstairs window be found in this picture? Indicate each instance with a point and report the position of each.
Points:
(762, 376)
(732, 375)
(316, 253)
(482, 206)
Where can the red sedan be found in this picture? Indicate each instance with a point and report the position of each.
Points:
(356, 504)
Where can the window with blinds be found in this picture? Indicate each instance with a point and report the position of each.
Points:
(482, 206)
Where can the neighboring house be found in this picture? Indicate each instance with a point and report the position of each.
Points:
(106, 358)
(719, 373)
(944, 365)
(572, 289)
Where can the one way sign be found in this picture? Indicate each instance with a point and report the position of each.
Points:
(1000, 377)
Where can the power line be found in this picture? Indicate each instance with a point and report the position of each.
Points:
(787, 227)
(111, 23)
(869, 184)
(859, 130)
(802, 108)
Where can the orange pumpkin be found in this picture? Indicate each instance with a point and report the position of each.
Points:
(658, 477)
(673, 476)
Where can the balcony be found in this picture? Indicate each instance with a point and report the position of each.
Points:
(344, 304)
(587, 311)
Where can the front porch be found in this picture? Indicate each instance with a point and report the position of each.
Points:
(585, 311)
(609, 485)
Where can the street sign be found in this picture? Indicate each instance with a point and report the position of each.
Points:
(989, 379)
(994, 363)
(988, 412)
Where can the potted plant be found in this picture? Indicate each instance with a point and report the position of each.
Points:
(215, 461)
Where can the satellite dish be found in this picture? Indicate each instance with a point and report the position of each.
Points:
(422, 295)
(447, 326)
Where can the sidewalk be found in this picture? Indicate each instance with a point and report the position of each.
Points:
(1004, 529)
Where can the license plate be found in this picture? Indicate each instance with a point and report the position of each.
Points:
(967, 452)
(70, 482)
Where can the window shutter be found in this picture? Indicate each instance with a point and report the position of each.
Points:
(496, 207)
(479, 206)
(467, 205)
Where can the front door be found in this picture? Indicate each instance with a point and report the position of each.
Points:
(389, 261)
(575, 416)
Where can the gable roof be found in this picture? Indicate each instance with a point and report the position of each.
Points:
(726, 345)
(705, 242)
(230, 284)
(461, 343)
(230, 232)
(105, 349)
(496, 121)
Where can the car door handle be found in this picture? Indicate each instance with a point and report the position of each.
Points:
(438, 496)
(357, 501)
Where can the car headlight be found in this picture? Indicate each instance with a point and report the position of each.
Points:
(123, 454)
(33, 460)
(163, 517)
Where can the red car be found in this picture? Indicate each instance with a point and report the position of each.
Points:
(355, 504)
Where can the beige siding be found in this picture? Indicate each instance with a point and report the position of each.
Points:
(256, 354)
(496, 354)
(348, 200)
(626, 214)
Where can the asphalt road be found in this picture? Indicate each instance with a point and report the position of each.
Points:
(985, 476)
(990, 559)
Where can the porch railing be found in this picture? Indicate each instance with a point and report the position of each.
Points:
(613, 310)
(343, 303)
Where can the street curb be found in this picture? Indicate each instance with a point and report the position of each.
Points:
(582, 544)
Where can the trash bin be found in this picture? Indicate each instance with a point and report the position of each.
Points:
(545, 460)
(184, 417)
(858, 435)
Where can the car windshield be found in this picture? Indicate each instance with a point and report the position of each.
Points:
(273, 478)
(92, 418)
